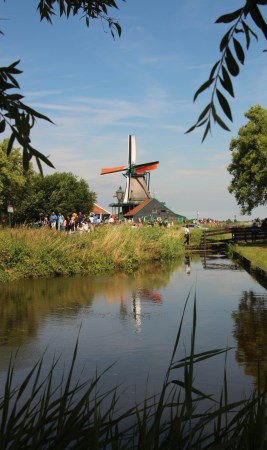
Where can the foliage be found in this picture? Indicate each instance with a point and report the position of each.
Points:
(44, 413)
(19, 117)
(33, 253)
(249, 161)
(31, 194)
(228, 66)
(88, 9)
(60, 192)
(14, 181)
(14, 113)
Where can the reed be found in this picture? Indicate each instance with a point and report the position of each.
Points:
(31, 253)
(41, 414)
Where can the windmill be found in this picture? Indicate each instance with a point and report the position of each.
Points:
(137, 176)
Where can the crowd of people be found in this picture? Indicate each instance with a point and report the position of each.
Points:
(70, 223)
(82, 222)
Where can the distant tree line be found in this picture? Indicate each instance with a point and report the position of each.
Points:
(31, 194)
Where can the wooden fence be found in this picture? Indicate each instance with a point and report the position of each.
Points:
(249, 234)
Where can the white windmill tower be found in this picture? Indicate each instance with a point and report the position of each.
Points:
(137, 177)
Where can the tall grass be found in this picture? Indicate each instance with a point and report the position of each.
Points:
(31, 253)
(39, 414)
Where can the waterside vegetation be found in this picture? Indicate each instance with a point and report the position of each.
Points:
(33, 253)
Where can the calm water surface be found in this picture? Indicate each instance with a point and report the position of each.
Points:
(133, 321)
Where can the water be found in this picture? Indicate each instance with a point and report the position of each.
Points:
(133, 321)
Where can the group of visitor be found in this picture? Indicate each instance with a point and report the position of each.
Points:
(70, 223)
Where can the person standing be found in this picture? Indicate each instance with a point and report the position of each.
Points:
(80, 219)
(186, 235)
(60, 221)
(53, 220)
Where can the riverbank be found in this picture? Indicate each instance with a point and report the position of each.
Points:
(253, 258)
(35, 253)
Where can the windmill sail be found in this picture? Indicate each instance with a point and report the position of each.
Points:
(137, 175)
(131, 149)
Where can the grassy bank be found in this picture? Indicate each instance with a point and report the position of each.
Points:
(41, 413)
(32, 253)
(257, 255)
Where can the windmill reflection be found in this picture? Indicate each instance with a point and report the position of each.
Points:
(139, 296)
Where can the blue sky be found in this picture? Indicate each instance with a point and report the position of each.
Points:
(98, 91)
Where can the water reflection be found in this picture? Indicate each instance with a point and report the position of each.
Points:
(250, 333)
(133, 320)
(25, 304)
(187, 264)
(217, 261)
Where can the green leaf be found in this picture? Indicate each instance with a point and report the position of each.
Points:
(39, 155)
(14, 81)
(118, 27)
(191, 129)
(39, 165)
(199, 124)
(239, 51)
(2, 126)
(246, 31)
(257, 18)
(34, 113)
(224, 104)
(221, 123)
(213, 70)
(62, 9)
(226, 82)
(202, 88)
(231, 63)
(206, 131)
(204, 112)
(13, 65)
(10, 143)
(225, 40)
(226, 18)
(15, 97)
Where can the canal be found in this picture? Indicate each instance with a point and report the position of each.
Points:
(132, 321)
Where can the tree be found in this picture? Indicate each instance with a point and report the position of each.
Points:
(60, 192)
(14, 113)
(31, 194)
(14, 181)
(228, 65)
(249, 161)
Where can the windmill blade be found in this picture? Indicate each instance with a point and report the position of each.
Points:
(113, 169)
(139, 168)
(131, 149)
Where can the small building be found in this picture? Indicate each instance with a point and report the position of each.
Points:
(152, 209)
(100, 212)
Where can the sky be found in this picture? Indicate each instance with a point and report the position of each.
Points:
(97, 90)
